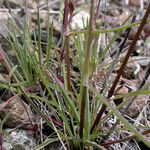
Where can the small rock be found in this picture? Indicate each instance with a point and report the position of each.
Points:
(3, 23)
(137, 106)
(134, 2)
(78, 3)
(131, 71)
(141, 60)
(146, 29)
(147, 45)
(56, 6)
(17, 113)
(18, 140)
(13, 3)
(117, 20)
(114, 13)
(132, 34)
(79, 20)
(1, 4)
(20, 4)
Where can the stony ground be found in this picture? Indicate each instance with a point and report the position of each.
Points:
(112, 13)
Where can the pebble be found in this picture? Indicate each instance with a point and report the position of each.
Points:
(79, 20)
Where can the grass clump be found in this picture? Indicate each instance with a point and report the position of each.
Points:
(64, 97)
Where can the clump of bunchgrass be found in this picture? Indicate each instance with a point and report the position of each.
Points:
(66, 99)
